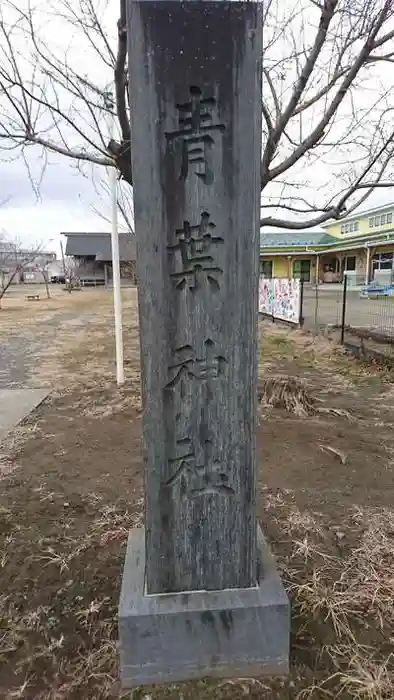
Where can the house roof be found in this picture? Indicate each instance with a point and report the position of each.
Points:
(365, 213)
(90, 243)
(327, 244)
(287, 239)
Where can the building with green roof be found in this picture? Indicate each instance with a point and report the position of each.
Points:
(360, 246)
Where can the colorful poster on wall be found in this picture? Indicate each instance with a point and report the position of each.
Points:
(287, 300)
(280, 298)
(266, 294)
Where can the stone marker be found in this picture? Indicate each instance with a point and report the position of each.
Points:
(200, 595)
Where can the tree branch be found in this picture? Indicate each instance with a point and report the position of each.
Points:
(327, 14)
(122, 151)
(318, 132)
(267, 117)
(70, 153)
(339, 210)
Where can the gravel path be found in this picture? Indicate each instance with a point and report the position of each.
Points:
(16, 357)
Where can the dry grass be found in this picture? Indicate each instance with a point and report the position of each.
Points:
(362, 676)
(17, 311)
(292, 395)
(369, 570)
(87, 341)
(286, 393)
(61, 330)
(353, 595)
(340, 579)
(58, 623)
(75, 614)
(12, 445)
(315, 354)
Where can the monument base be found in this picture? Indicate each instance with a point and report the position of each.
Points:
(218, 634)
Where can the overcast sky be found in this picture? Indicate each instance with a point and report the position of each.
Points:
(41, 203)
(64, 200)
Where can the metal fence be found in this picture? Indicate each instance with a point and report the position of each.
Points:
(322, 306)
(362, 320)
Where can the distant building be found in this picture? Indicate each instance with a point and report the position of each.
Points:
(93, 256)
(23, 264)
(360, 246)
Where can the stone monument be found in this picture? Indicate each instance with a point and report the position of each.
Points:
(200, 594)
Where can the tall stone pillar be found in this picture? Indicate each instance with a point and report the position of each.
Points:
(199, 595)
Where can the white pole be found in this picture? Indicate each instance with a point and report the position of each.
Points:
(116, 279)
(113, 182)
(316, 292)
(367, 268)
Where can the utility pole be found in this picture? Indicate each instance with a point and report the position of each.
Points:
(113, 183)
(67, 283)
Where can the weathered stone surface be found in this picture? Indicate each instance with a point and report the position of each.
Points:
(195, 87)
(181, 636)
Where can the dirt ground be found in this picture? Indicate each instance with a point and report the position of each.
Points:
(72, 488)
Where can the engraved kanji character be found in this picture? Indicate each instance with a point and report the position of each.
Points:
(198, 476)
(186, 364)
(196, 134)
(194, 244)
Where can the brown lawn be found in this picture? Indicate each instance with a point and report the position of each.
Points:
(72, 488)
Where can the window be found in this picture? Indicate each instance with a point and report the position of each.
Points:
(350, 227)
(371, 223)
(382, 261)
(266, 268)
(383, 219)
(377, 220)
(302, 270)
(389, 218)
(386, 261)
(350, 263)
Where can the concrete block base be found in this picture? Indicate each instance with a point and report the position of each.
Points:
(183, 636)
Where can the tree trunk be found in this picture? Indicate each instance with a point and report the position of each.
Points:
(45, 276)
(4, 288)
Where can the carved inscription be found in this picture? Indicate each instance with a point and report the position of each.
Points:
(196, 135)
(198, 474)
(195, 464)
(186, 364)
(194, 255)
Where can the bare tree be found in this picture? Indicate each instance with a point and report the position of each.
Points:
(45, 275)
(124, 199)
(14, 260)
(70, 266)
(327, 107)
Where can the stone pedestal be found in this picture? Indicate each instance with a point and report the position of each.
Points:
(183, 636)
(201, 602)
